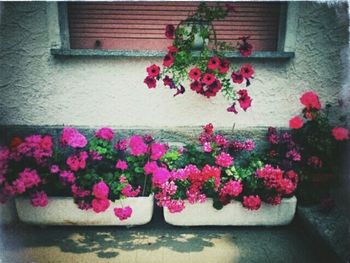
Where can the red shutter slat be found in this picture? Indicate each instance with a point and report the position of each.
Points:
(140, 25)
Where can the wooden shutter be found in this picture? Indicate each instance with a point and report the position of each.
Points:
(141, 25)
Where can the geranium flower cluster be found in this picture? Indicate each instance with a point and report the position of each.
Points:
(311, 146)
(24, 166)
(208, 74)
(210, 172)
(95, 172)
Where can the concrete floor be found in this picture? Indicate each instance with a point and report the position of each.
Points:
(156, 242)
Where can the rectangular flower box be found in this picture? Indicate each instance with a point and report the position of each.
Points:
(63, 211)
(233, 214)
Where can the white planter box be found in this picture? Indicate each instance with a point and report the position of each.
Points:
(8, 212)
(63, 211)
(233, 214)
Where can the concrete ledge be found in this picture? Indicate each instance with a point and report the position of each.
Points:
(331, 230)
(233, 214)
(8, 213)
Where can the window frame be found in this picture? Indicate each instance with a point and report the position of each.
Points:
(285, 46)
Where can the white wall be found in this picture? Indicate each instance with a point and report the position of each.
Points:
(37, 88)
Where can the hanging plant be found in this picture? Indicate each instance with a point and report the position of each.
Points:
(198, 57)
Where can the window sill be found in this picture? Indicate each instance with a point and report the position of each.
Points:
(127, 53)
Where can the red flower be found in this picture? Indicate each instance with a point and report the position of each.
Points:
(180, 90)
(340, 134)
(153, 71)
(310, 100)
(232, 108)
(237, 77)
(196, 86)
(170, 31)
(168, 60)
(173, 49)
(245, 48)
(208, 79)
(151, 82)
(195, 74)
(212, 89)
(15, 142)
(296, 122)
(252, 202)
(169, 82)
(224, 66)
(213, 63)
(209, 128)
(247, 71)
(245, 100)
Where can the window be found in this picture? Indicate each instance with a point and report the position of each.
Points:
(139, 26)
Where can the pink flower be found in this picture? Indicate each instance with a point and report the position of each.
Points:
(168, 60)
(150, 167)
(19, 186)
(294, 155)
(129, 192)
(157, 151)
(220, 140)
(249, 145)
(224, 160)
(224, 66)
(79, 192)
(71, 137)
(232, 188)
(207, 147)
(244, 100)
(340, 134)
(100, 190)
(100, 205)
(286, 187)
(247, 71)
(39, 199)
(121, 145)
(237, 77)
(213, 63)
(252, 202)
(169, 31)
(195, 74)
(310, 100)
(153, 71)
(208, 128)
(160, 176)
(123, 213)
(208, 79)
(137, 145)
(54, 169)
(123, 179)
(78, 161)
(30, 178)
(274, 200)
(175, 206)
(67, 177)
(173, 49)
(122, 165)
(105, 134)
(150, 82)
(296, 122)
(95, 155)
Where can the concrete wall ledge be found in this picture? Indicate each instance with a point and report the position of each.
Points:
(331, 230)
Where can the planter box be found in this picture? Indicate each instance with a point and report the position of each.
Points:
(8, 212)
(63, 211)
(233, 214)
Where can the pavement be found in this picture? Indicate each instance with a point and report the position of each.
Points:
(157, 242)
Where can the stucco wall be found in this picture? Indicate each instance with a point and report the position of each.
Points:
(37, 88)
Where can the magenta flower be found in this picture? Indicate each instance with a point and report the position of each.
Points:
(137, 145)
(39, 199)
(123, 213)
(122, 165)
(207, 147)
(224, 159)
(129, 192)
(67, 177)
(252, 202)
(54, 169)
(30, 178)
(150, 167)
(160, 176)
(100, 190)
(153, 71)
(340, 134)
(100, 205)
(244, 100)
(71, 137)
(105, 134)
(157, 151)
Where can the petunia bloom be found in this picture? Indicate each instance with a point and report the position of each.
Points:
(340, 134)
(296, 122)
